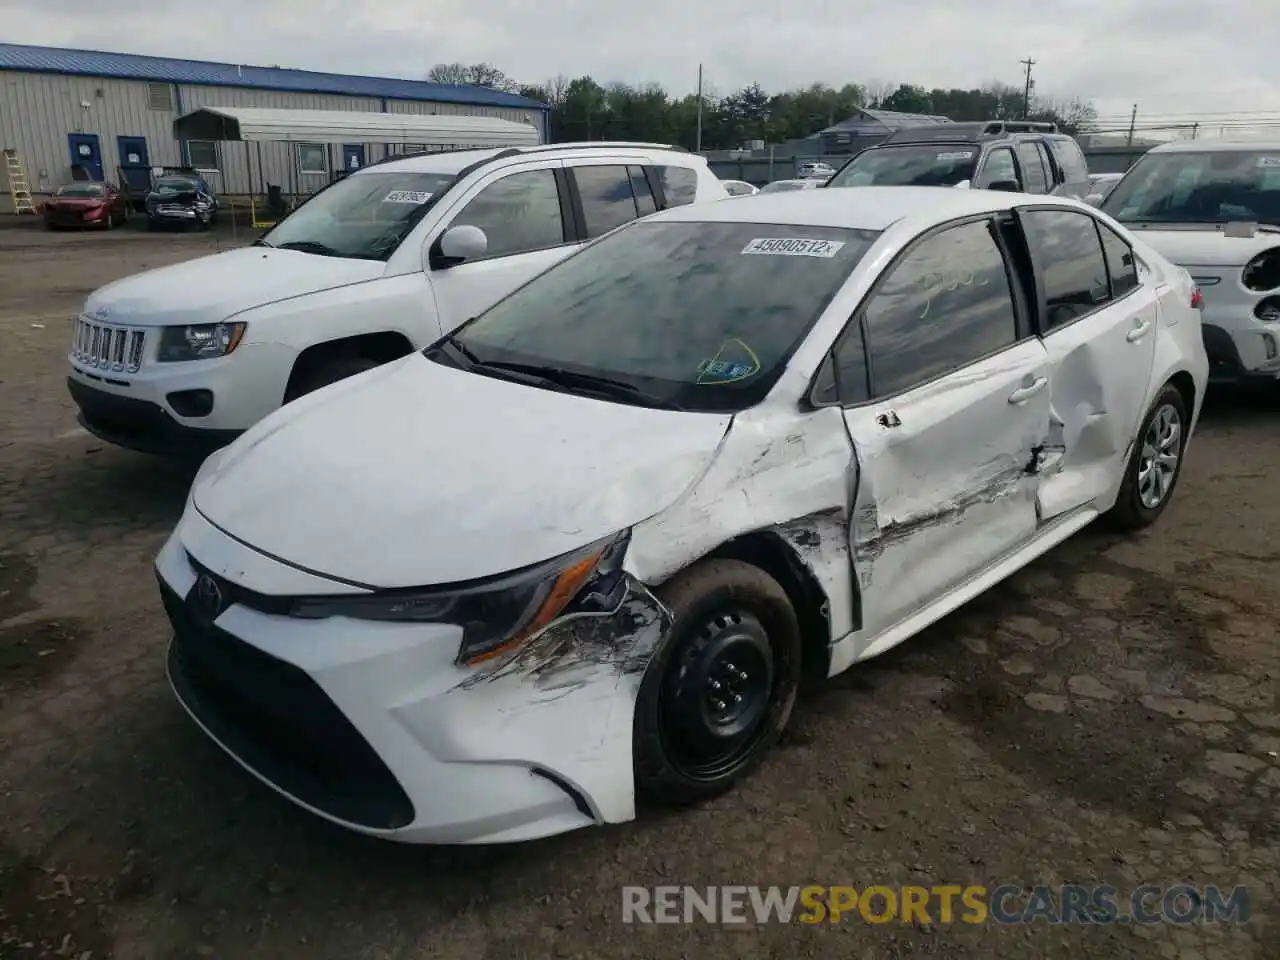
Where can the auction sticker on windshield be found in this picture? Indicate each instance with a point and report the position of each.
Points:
(407, 196)
(793, 247)
(956, 155)
(1269, 161)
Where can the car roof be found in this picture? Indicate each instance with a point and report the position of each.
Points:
(456, 161)
(1215, 145)
(858, 208)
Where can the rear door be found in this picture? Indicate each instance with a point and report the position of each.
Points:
(944, 390)
(1097, 315)
(526, 215)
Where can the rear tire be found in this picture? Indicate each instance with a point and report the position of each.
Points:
(720, 689)
(1154, 465)
(329, 372)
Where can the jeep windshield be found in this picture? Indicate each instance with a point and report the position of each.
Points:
(909, 165)
(695, 316)
(1209, 186)
(365, 216)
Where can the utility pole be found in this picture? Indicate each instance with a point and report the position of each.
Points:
(698, 147)
(1026, 90)
(1133, 119)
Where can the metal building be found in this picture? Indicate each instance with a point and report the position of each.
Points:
(103, 111)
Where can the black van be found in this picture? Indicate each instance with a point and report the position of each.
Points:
(1017, 155)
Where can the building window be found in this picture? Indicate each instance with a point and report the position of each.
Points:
(202, 154)
(313, 158)
(159, 96)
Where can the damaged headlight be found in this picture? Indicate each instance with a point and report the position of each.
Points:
(200, 342)
(500, 613)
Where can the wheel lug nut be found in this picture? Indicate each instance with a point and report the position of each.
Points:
(742, 675)
(737, 698)
(720, 704)
(715, 684)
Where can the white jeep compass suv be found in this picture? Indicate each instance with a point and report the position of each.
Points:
(182, 359)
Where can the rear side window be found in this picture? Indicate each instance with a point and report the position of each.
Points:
(945, 305)
(1047, 163)
(1033, 172)
(679, 184)
(1120, 263)
(645, 202)
(1074, 167)
(607, 198)
(1068, 255)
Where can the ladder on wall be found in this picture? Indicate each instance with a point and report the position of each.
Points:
(19, 189)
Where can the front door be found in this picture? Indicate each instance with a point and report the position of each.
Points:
(133, 151)
(86, 152)
(524, 218)
(1098, 323)
(945, 430)
(352, 157)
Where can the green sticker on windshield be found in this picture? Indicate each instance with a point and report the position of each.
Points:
(733, 362)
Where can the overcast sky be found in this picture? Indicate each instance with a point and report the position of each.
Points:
(1171, 57)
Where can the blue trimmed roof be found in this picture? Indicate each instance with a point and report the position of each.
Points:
(129, 66)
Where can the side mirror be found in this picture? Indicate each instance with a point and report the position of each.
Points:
(457, 244)
(1005, 186)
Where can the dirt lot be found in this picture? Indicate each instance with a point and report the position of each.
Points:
(1109, 716)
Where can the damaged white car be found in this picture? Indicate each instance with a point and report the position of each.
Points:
(583, 549)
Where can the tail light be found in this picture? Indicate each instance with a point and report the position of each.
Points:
(1197, 299)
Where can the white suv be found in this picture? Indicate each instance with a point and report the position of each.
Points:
(183, 359)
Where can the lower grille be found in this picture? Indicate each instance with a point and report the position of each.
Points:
(107, 347)
(277, 720)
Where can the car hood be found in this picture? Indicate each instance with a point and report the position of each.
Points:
(212, 289)
(1205, 246)
(416, 474)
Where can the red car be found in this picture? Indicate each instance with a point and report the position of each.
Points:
(86, 204)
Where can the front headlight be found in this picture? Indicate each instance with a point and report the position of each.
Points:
(500, 613)
(199, 342)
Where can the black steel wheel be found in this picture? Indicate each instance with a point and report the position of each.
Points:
(720, 690)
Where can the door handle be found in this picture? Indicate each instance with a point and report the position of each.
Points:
(1026, 393)
(1138, 332)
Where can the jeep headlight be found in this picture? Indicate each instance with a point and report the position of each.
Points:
(200, 342)
(496, 614)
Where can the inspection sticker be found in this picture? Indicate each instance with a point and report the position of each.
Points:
(725, 370)
(407, 196)
(956, 155)
(1269, 161)
(793, 247)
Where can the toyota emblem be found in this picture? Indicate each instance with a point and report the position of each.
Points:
(208, 596)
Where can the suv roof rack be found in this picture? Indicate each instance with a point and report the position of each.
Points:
(967, 131)
(1019, 126)
(504, 152)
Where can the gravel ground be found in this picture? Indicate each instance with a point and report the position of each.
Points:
(1108, 716)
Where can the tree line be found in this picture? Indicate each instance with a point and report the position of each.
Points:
(584, 109)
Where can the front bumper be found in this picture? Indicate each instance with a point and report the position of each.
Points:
(373, 726)
(67, 218)
(140, 425)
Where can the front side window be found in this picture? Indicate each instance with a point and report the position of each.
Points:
(365, 216)
(999, 168)
(519, 213)
(1065, 248)
(909, 165)
(943, 306)
(607, 198)
(701, 315)
(1035, 180)
(1202, 186)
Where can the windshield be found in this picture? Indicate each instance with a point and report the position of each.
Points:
(81, 190)
(779, 185)
(364, 216)
(909, 165)
(1200, 187)
(703, 316)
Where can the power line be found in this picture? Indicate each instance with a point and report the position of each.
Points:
(1026, 91)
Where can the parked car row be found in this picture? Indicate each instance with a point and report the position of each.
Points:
(175, 199)
(630, 465)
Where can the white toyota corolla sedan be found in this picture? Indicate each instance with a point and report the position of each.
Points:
(583, 550)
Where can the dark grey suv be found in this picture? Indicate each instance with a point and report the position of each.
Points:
(1016, 155)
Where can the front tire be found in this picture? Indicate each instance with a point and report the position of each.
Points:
(720, 689)
(329, 372)
(1154, 465)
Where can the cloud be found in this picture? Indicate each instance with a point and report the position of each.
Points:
(1170, 57)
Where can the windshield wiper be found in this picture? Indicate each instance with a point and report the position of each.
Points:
(310, 246)
(606, 386)
(261, 242)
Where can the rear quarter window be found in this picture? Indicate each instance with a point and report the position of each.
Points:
(679, 184)
(1070, 159)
